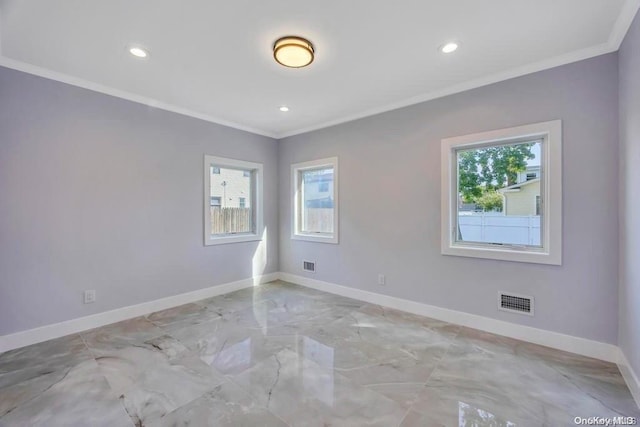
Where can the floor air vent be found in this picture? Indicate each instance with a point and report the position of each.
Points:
(515, 303)
(309, 266)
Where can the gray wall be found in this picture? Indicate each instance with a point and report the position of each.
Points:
(629, 55)
(101, 193)
(390, 201)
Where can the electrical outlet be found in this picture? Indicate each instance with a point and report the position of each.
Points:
(381, 279)
(89, 296)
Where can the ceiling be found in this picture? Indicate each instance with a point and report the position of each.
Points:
(212, 59)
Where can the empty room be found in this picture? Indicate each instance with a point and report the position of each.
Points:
(331, 213)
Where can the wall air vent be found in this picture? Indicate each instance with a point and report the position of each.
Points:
(309, 266)
(520, 304)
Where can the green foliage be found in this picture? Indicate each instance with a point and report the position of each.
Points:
(485, 170)
(489, 201)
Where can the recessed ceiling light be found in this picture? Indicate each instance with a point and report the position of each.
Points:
(449, 47)
(284, 108)
(293, 52)
(138, 52)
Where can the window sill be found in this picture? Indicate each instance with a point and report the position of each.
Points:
(534, 256)
(223, 240)
(333, 239)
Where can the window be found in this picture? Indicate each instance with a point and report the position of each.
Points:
(518, 216)
(315, 197)
(233, 204)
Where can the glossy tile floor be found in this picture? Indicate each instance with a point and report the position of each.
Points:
(279, 355)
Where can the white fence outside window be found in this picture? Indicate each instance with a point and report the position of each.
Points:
(494, 227)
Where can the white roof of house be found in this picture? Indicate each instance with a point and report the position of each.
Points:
(516, 187)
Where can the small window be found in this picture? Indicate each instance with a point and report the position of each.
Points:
(513, 178)
(315, 196)
(234, 210)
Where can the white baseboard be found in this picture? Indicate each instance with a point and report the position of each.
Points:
(56, 330)
(585, 347)
(582, 346)
(630, 377)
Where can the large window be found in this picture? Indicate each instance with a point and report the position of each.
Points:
(315, 197)
(233, 200)
(502, 194)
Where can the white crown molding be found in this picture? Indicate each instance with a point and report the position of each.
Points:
(618, 32)
(630, 377)
(624, 21)
(557, 61)
(73, 326)
(568, 58)
(129, 96)
(582, 346)
(616, 37)
(0, 30)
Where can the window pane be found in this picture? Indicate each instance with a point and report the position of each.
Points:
(500, 193)
(231, 196)
(317, 200)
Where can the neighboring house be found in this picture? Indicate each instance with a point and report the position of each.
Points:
(532, 172)
(318, 189)
(230, 188)
(522, 198)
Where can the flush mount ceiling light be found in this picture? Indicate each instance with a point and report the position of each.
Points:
(138, 52)
(449, 47)
(293, 52)
(284, 108)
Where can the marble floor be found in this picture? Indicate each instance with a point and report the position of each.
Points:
(283, 355)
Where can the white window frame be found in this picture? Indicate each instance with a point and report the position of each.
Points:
(256, 201)
(296, 170)
(551, 251)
